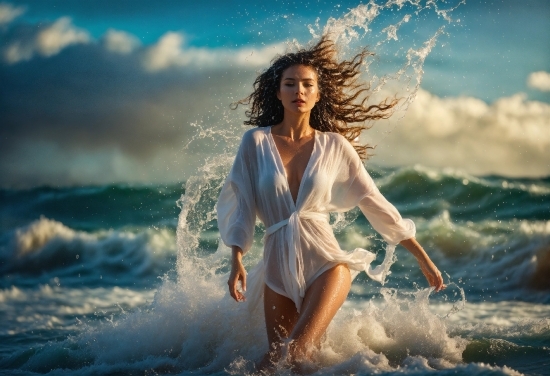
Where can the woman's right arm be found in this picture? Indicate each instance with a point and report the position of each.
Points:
(236, 210)
(238, 273)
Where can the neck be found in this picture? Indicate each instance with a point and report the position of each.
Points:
(295, 126)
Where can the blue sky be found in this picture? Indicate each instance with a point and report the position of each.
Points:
(101, 92)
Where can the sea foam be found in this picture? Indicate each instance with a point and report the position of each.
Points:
(46, 249)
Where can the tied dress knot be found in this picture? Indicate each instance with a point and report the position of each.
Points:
(295, 256)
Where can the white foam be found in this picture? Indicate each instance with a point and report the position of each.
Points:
(196, 322)
(39, 233)
(535, 227)
(61, 308)
(34, 236)
(46, 245)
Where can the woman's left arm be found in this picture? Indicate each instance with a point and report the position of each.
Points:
(427, 266)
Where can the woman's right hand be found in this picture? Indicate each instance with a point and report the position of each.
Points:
(238, 273)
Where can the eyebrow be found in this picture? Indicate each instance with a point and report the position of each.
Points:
(303, 79)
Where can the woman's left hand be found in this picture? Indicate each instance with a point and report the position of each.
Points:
(430, 271)
(432, 274)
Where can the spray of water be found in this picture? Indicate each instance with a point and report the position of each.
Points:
(193, 325)
(386, 334)
(353, 29)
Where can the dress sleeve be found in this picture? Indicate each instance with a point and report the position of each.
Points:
(385, 218)
(236, 207)
(355, 187)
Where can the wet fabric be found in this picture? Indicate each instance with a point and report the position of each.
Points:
(299, 244)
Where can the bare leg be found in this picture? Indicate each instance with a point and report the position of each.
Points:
(280, 318)
(321, 302)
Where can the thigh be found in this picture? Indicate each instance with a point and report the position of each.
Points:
(280, 316)
(323, 299)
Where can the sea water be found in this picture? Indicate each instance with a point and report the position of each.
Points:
(93, 282)
(131, 279)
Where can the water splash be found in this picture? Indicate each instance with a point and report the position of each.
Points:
(192, 325)
(202, 261)
(358, 28)
(355, 27)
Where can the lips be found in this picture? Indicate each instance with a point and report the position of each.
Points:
(298, 101)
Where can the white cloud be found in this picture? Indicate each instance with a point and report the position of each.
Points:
(50, 41)
(8, 13)
(166, 52)
(120, 42)
(510, 136)
(539, 80)
(170, 51)
(60, 34)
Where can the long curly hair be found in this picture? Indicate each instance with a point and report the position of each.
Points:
(343, 97)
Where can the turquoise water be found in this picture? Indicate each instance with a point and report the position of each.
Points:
(125, 279)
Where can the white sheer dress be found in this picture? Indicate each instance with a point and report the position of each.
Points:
(299, 241)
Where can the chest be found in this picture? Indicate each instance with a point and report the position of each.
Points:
(294, 156)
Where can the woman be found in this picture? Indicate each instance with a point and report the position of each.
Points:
(296, 166)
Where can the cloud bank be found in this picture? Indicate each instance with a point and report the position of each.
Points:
(510, 136)
(76, 110)
(45, 42)
(79, 110)
(171, 52)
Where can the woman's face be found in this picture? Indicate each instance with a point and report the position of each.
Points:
(298, 91)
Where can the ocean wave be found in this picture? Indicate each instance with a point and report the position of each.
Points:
(493, 259)
(193, 327)
(490, 259)
(538, 186)
(92, 208)
(46, 249)
(425, 192)
(64, 309)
